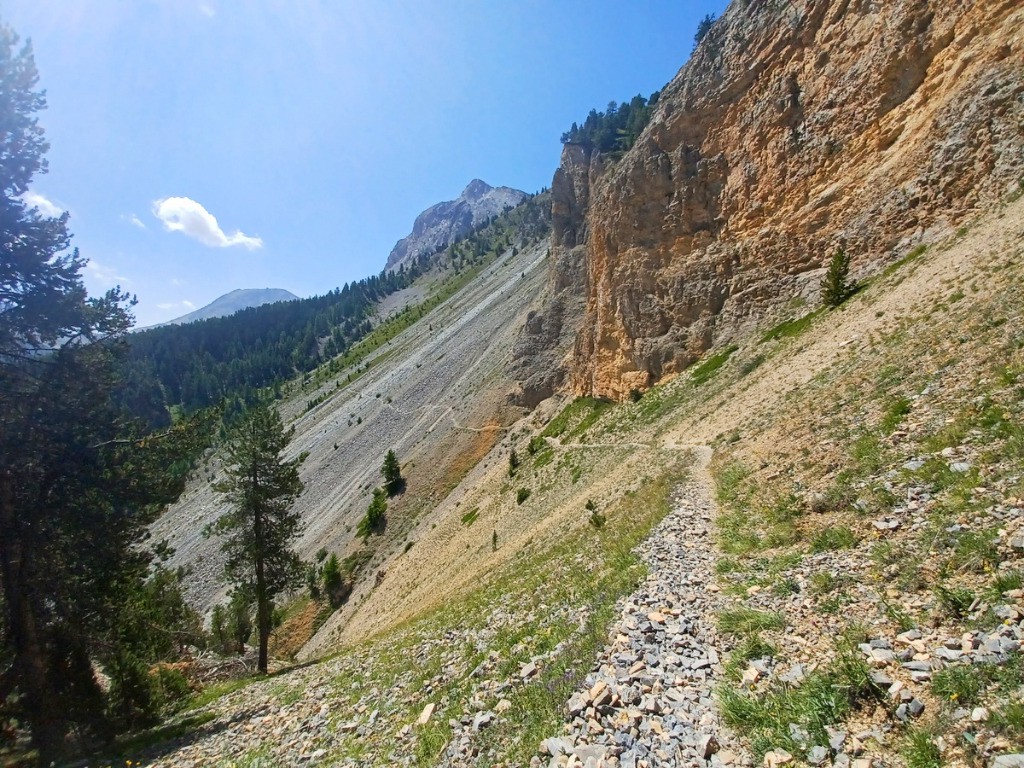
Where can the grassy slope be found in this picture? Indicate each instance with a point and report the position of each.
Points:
(812, 425)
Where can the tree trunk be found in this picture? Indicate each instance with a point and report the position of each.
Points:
(262, 603)
(31, 672)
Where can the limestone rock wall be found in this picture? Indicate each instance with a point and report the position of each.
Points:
(795, 127)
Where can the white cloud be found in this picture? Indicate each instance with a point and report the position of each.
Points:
(187, 304)
(177, 282)
(105, 276)
(183, 214)
(133, 220)
(45, 206)
(207, 10)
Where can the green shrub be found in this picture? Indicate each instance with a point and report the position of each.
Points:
(751, 647)
(958, 686)
(1004, 581)
(1009, 719)
(334, 582)
(130, 700)
(975, 551)
(920, 751)
(824, 698)
(709, 367)
(139, 697)
(747, 621)
(893, 415)
(522, 495)
(391, 471)
(790, 328)
(173, 687)
(375, 518)
(954, 602)
(837, 287)
(829, 539)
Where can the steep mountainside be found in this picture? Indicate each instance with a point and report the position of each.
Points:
(865, 606)
(829, 506)
(434, 393)
(229, 303)
(795, 129)
(441, 225)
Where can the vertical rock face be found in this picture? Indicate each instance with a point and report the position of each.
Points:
(794, 128)
(540, 356)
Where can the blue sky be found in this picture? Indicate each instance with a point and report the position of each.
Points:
(207, 145)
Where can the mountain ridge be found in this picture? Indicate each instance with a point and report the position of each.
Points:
(231, 302)
(442, 224)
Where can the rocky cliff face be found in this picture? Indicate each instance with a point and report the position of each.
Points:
(795, 128)
(442, 224)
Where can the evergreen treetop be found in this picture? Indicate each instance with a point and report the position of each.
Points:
(837, 286)
(392, 472)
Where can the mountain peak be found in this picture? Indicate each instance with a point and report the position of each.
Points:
(443, 224)
(476, 189)
(234, 301)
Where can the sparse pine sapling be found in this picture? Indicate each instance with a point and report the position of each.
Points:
(374, 519)
(313, 581)
(837, 286)
(239, 621)
(218, 628)
(703, 28)
(392, 472)
(513, 463)
(334, 582)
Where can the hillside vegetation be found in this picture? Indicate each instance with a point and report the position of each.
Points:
(867, 461)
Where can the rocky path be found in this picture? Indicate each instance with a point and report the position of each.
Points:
(649, 702)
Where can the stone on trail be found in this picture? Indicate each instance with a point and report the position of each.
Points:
(425, 714)
(707, 746)
(777, 757)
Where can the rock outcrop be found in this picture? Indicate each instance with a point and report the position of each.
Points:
(441, 225)
(794, 129)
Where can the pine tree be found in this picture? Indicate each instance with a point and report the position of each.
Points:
(703, 28)
(334, 582)
(837, 287)
(392, 472)
(77, 486)
(374, 519)
(260, 524)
